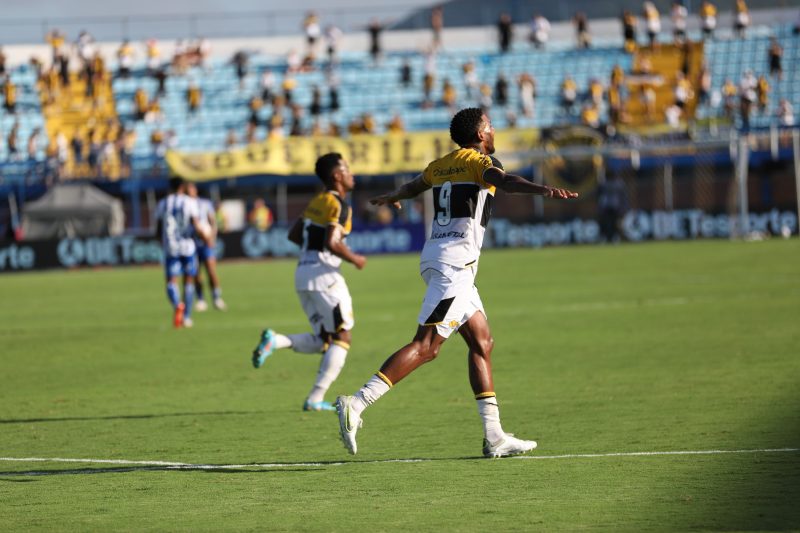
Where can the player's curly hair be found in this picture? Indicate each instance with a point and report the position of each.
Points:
(464, 126)
(325, 165)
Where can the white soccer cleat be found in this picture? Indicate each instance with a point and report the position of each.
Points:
(349, 422)
(187, 322)
(510, 445)
(200, 306)
(219, 304)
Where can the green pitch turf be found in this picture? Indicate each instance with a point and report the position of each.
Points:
(649, 348)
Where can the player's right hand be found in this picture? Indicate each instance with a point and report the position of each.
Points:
(385, 199)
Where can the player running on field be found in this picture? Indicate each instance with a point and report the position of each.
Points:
(206, 253)
(178, 221)
(323, 293)
(463, 182)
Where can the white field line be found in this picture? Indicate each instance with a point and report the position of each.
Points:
(172, 465)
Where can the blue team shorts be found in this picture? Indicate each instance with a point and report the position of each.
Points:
(205, 252)
(183, 264)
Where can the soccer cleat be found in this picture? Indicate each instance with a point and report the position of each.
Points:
(318, 406)
(349, 423)
(265, 348)
(510, 445)
(201, 306)
(188, 322)
(219, 304)
(177, 318)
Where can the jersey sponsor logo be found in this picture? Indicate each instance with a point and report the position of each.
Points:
(449, 171)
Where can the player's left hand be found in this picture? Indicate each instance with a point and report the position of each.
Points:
(385, 199)
(565, 194)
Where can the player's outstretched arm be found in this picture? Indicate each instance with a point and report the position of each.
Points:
(203, 231)
(339, 248)
(296, 232)
(408, 190)
(513, 184)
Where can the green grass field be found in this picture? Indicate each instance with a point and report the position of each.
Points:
(599, 350)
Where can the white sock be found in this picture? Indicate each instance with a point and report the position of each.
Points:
(377, 386)
(490, 415)
(332, 363)
(302, 342)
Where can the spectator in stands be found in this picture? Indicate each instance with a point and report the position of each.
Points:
(77, 146)
(590, 115)
(312, 30)
(98, 79)
(505, 32)
(50, 85)
(230, 139)
(747, 97)
(629, 31)
(239, 61)
(596, 93)
(63, 70)
(288, 86)
(2, 62)
(729, 94)
(708, 19)
(429, 79)
(157, 143)
(405, 73)
(161, 79)
(12, 142)
(648, 97)
(375, 28)
(796, 28)
(255, 105)
(500, 90)
(682, 91)
(470, 79)
(124, 59)
(333, 35)
(154, 113)
(652, 19)
(569, 93)
(617, 76)
(396, 125)
(57, 42)
(741, 20)
(486, 98)
(140, 103)
(582, 34)
(125, 145)
(540, 31)
(294, 62)
(95, 148)
(153, 56)
(194, 97)
(673, 114)
(296, 127)
(775, 55)
(437, 23)
(679, 17)
(10, 95)
(34, 141)
(368, 124)
(315, 107)
(615, 114)
(449, 95)
(762, 93)
(527, 94)
(704, 84)
(267, 85)
(333, 97)
(785, 113)
(180, 57)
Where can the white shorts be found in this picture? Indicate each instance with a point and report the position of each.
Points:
(328, 311)
(450, 299)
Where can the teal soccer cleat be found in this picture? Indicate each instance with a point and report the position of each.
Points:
(318, 406)
(265, 348)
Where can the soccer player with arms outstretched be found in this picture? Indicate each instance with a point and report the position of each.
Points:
(463, 182)
(178, 222)
(322, 290)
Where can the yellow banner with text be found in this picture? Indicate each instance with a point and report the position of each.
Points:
(367, 154)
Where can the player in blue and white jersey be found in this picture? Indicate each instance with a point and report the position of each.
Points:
(178, 220)
(206, 252)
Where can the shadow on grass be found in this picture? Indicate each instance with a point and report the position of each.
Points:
(123, 417)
